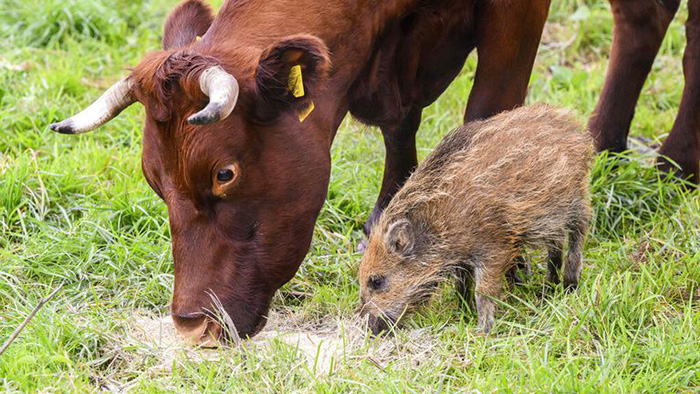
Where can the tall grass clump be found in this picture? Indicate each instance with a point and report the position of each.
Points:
(47, 23)
(629, 195)
(13, 177)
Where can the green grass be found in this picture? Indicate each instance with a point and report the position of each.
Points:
(77, 211)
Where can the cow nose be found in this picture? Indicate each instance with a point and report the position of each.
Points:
(197, 329)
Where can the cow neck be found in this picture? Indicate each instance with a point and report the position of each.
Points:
(350, 29)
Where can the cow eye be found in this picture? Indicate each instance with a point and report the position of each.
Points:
(224, 179)
(376, 282)
(225, 175)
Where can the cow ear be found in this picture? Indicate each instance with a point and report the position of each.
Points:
(400, 238)
(191, 19)
(289, 73)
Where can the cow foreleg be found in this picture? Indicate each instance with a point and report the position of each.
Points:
(640, 27)
(508, 35)
(400, 161)
(683, 144)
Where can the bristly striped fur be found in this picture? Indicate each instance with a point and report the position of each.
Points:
(489, 189)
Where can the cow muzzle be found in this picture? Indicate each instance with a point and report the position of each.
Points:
(198, 329)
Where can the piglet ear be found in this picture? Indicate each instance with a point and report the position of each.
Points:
(400, 238)
(289, 74)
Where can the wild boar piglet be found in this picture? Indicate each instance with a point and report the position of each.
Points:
(489, 190)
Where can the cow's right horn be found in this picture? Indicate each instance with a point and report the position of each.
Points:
(107, 107)
(222, 90)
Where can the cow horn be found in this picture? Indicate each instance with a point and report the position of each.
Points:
(116, 99)
(222, 90)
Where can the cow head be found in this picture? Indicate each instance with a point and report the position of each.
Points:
(228, 146)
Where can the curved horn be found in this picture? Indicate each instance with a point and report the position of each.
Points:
(107, 107)
(222, 90)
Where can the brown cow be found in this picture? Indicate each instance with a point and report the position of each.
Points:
(640, 27)
(245, 177)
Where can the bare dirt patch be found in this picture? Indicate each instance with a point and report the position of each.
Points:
(321, 344)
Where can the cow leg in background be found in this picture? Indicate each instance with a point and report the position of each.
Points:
(640, 27)
(401, 160)
(683, 144)
(508, 35)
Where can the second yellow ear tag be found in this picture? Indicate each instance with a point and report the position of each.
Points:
(303, 114)
(296, 82)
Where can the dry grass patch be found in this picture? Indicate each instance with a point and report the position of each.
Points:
(320, 344)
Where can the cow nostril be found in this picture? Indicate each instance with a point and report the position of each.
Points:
(187, 322)
(197, 329)
(188, 316)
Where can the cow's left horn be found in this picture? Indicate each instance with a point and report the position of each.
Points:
(222, 90)
(107, 107)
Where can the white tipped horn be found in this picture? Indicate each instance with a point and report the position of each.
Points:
(222, 90)
(116, 99)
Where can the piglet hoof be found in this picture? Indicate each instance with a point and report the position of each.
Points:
(484, 329)
(570, 286)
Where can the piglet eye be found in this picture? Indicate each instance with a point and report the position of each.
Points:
(225, 175)
(376, 282)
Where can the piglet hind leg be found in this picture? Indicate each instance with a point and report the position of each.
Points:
(489, 281)
(572, 271)
(578, 227)
(554, 262)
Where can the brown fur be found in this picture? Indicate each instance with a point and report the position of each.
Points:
(381, 60)
(490, 189)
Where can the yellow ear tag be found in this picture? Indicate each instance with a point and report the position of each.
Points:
(303, 114)
(295, 85)
(199, 38)
(296, 82)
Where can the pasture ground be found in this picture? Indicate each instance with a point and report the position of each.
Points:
(77, 211)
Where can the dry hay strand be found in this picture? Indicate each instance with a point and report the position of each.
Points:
(321, 345)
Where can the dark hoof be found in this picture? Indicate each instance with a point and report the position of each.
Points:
(485, 329)
(688, 175)
(570, 287)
